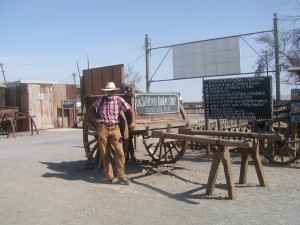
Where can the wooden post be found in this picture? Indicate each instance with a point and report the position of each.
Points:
(228, 174)
(207, 128)
(244, 166)
(254, 151)
(213, 173)
(221, 153)
(62, 117)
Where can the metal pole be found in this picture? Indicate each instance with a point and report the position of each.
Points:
(147, 51)
(3, 73)
(78, 70)
(74, 75)
(277, 65)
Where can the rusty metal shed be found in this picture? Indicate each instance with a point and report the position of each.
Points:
(2, 95)
(43, 101)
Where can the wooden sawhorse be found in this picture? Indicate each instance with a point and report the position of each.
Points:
(221, 153)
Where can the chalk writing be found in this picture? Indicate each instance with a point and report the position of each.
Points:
(238, 98)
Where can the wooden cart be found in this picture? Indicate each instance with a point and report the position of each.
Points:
(8, 120)
(286, 150)
(155, 111)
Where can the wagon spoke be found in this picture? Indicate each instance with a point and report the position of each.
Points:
(170, 149)
(91, 153)
(90, 140)
(166, 152)
(91, 126)
(175, 146)
(280, 151)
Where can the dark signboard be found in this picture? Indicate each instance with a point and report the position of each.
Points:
(156, 103)
(248, 98)
(295, 105)
(68, 104)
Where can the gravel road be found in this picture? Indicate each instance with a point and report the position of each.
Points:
(45, 180)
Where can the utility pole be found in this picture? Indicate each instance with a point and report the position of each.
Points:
(1, 64)
(78, 70)
(277, 65)
(147, 51)
(74, 75)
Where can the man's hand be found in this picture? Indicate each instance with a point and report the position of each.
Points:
(132, 125)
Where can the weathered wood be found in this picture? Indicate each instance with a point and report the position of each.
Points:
(156, 140)
(221, 154)
(204, 140)
(272, 136)
(158, 124)
(254, 151)
(213, 172)
(244, 166)
(228, 174)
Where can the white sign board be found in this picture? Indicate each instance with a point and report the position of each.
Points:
(207, 58)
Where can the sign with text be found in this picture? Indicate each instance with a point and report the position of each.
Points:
(248, 98)
(68, 104)
(295, 105)
(156, 103)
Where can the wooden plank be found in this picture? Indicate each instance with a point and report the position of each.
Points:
(87, 77)
(159, 124)
(24, 107)
(118, 75)
(232, 134)
(107, 76)
(204, 140)
(97, 80)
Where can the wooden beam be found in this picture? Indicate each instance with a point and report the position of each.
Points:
(204, 140)
(274, 136)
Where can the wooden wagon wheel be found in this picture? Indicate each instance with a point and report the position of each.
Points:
(166, 151)
(280, 152)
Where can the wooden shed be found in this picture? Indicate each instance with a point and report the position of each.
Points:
(43, 101)
(2, 95)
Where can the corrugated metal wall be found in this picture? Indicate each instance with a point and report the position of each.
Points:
(2, 96)
(43, 101)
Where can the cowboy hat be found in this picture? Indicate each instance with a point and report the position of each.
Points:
(110, 86)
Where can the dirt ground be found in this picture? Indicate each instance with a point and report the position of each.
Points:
(45, 180)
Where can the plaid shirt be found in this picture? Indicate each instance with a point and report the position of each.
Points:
(109, 109)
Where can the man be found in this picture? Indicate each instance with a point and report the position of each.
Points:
(108, 109)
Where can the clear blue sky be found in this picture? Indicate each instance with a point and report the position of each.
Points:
(43, 39)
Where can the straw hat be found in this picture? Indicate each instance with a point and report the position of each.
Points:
(110, 86)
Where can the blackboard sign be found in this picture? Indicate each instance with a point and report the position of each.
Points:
(68, 104)
(156, 103)
(295, 105)
(248, 98)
